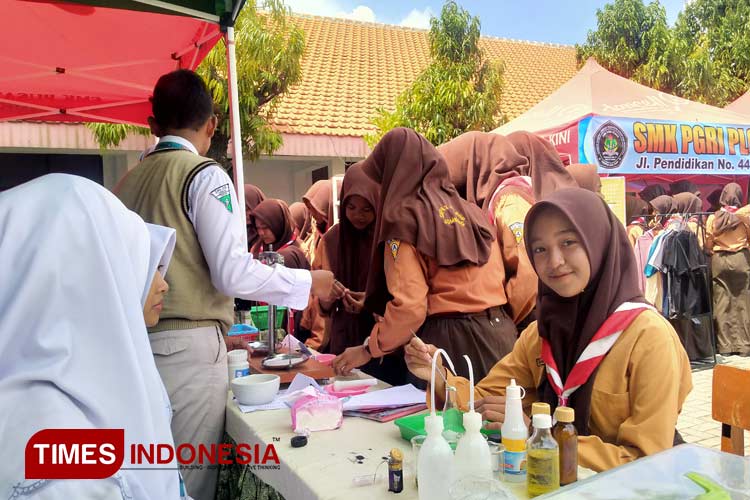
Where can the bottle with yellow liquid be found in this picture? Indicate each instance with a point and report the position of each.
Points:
(514, 434)
(543, 465)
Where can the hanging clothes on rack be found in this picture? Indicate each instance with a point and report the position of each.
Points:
(677, 282)
(688, 293)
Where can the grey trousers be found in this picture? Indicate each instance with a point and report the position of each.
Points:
(193, 365)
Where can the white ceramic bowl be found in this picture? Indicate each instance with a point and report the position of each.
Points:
(255, 389)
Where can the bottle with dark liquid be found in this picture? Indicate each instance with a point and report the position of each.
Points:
(566, 436)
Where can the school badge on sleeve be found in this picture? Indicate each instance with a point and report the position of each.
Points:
(517, 228)
(224, 195)
(393, 245)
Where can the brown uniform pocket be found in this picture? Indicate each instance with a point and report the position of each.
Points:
(608, 412)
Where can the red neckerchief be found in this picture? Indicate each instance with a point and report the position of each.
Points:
(603, 340)
(639, 221)
(729, 208)
(522, 182)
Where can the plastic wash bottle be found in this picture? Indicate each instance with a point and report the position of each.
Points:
(514, 434)
(435, 460)
(472, 452)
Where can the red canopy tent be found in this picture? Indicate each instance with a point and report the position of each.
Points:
(66, 62)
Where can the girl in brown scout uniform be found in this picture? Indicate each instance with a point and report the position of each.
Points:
(253, 197)
(597, 346)
(273, 223)
(302, 224)
(492, 174)
(436, 270)
(346, 250)
(727, 238)
(319, 202)
(636, 210)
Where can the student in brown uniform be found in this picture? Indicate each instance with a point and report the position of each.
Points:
(688, 205)
(253, 196)
(728, 239)
(273, 223)
(636, 211)
(302, 222)
(494, 175)
(346, 250)
(319, 202)
(597, 346)
(586, 176)
(511, 202)
(436, 269)
(662, 208)
(480, 162)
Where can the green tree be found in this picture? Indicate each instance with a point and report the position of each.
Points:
(705, 57)
(269, 51)
(631, 40)
(458, 91)
(712, 50)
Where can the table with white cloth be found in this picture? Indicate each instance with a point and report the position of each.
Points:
(326, 467)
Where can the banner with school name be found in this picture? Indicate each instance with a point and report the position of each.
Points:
(633, 146)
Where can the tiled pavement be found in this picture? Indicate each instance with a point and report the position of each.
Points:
(695, 422)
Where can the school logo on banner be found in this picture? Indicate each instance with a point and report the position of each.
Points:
(224, 195)
(611, 144)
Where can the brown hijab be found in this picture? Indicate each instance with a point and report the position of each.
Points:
(319, 201)
(635, 208)
(479, 161)
(663, 205)
(301, 218)
(586, 175)
(569, 324)
(547, 172)
(253, 196)
(275, 214)
(349, 251)
(731, 197)
(687, 203)
(648, 193)
(419, 205)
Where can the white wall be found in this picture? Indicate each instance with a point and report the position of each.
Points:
(286, 178)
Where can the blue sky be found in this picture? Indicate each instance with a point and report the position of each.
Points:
(554, 21)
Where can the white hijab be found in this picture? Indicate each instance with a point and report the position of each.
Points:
(76, 267)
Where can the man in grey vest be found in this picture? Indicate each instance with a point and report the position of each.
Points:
(176, 186)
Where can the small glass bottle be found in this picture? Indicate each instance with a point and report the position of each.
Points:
(396, 471)
(543, 463)
(566, 436)
(538, 408)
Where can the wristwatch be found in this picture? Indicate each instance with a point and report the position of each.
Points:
(366, 345)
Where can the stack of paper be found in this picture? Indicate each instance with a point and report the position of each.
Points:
(387, 404)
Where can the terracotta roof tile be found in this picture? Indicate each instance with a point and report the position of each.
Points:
(350, 69)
